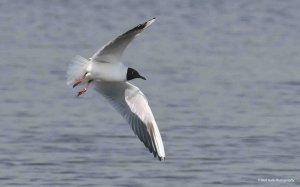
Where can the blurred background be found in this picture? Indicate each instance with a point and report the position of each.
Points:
(223, 82)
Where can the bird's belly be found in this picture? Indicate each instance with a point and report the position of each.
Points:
(108, 72)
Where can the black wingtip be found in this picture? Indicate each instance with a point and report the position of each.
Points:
(153, 19)
(160, 158)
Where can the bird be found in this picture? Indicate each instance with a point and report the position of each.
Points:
(110, 77)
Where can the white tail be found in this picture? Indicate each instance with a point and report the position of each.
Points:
(77, 69)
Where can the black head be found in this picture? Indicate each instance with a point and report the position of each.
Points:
(132, 74)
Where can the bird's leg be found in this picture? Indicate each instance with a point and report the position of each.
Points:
(79, 81)
(85, 88)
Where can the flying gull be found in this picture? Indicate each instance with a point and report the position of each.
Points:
(110, 77)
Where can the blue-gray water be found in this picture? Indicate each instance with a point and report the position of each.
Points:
(223, 80)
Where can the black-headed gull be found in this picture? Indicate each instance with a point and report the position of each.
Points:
(109, 75)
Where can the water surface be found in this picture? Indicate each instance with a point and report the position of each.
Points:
(222, 79)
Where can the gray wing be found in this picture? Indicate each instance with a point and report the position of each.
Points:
(113, 50)
(131, 103)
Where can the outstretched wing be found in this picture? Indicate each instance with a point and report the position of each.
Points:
(131, 103)
(113, 50)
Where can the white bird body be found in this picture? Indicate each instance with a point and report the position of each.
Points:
(109, 75)
(107, 71)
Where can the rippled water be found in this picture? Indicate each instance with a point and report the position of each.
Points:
(222, 79)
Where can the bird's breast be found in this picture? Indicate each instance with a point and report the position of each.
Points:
(108, 72)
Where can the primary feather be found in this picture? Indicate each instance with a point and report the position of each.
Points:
(113, 50)
(132, 104)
